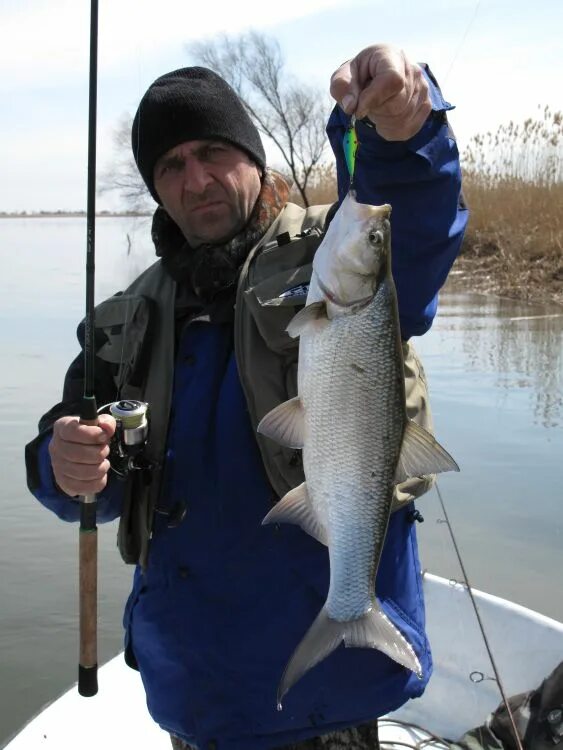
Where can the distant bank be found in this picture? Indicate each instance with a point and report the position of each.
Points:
(67, 214)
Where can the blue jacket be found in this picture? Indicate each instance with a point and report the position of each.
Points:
(224, 601)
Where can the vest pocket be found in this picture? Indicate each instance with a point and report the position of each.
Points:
(275, 301)
(122, 328)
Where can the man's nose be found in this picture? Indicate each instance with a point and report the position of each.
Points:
(196, 176)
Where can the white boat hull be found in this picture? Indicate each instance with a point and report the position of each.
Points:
(526, 646)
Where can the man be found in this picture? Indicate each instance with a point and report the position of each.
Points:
(219, 602)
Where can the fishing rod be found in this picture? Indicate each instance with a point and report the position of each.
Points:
(88, 534)
(126, 450)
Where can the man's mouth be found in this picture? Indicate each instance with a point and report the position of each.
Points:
(205, 206)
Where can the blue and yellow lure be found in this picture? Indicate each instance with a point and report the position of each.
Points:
(351, 144)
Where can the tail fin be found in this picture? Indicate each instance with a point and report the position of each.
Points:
(372, 630)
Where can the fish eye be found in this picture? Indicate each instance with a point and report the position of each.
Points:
(376, 237)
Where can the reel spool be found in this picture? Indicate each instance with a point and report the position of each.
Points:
(130, 435)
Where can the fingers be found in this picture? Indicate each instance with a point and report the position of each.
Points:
(344, 87)
(79, 454)
(380, 66)
(382, 84)
(93, 474)
(69, 429)
(403, 114)
(108, 424)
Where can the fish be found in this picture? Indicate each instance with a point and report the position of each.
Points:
(350, 420)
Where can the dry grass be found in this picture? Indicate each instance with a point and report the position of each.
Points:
(513, 185)
(321, 187)
(513, 244)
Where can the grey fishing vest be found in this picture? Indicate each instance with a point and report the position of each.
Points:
(138, 326)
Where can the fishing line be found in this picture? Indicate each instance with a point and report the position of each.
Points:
(480, 622)
(458, 611)
(462, 42)
(458, 621)
(124, 333)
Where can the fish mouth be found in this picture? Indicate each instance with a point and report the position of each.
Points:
(353, 305)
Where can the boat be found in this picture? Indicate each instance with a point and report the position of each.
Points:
(462, 692)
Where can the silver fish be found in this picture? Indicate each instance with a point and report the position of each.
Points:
(350, 420)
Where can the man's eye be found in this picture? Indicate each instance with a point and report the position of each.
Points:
(214, 150)
(170, 167)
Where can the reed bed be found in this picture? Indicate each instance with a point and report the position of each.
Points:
(513, 186)
(321, 187)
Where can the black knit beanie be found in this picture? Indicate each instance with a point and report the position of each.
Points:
(190, 104)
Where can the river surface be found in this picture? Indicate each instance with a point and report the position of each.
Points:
(495, 369)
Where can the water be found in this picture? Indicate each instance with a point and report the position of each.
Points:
(495, 370)
(496, 389)
(41, 303)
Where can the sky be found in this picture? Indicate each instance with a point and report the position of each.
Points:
(496, 60)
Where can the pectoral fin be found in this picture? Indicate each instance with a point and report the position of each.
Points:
(285, 424)
(314, 315)
(421, 454)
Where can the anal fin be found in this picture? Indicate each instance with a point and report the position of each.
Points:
(296, 508)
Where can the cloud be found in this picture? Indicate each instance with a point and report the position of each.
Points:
(493, 71)
(43, 42)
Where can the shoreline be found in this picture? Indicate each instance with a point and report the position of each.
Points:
(75, 215)
(493, 276)
(480, 268)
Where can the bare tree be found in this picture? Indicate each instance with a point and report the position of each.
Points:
(123, 174)
(291, 113)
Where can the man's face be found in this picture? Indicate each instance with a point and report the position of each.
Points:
(208, 188)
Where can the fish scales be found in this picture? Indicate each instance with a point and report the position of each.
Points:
(350, 387)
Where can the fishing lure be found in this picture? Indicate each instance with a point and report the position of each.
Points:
(351, 144)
